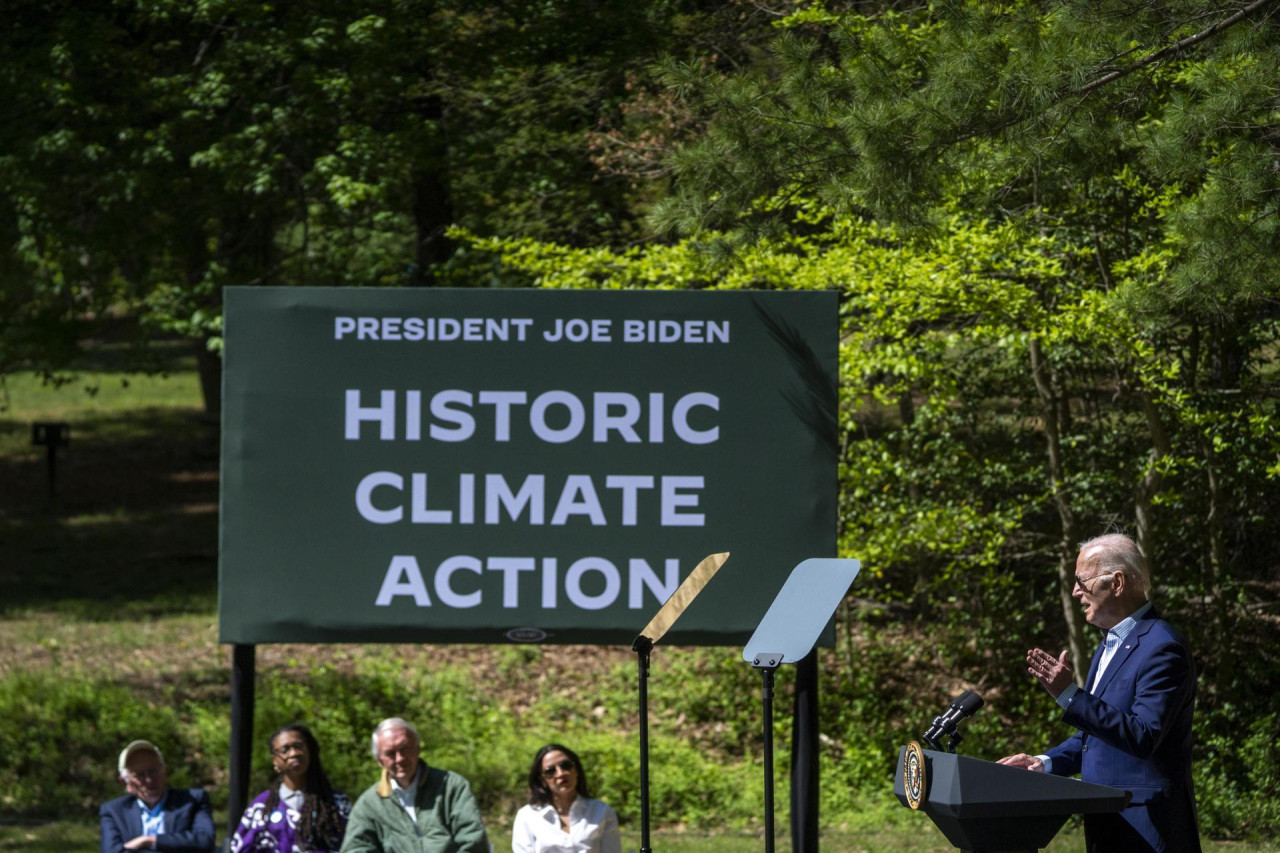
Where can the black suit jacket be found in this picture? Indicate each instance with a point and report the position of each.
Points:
(188, 822)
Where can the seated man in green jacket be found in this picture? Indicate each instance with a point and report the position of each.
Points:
(414, 808)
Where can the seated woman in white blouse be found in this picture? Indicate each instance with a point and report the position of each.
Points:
(561, 816)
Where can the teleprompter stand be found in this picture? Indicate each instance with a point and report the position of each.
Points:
(643, 645)
(787, 633)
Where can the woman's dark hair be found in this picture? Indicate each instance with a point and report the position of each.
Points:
(319, 823)
(539, 793)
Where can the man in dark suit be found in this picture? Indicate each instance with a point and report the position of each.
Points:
(153, 816)
(1134, 711)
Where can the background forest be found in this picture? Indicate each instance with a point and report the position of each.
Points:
(1054, 228)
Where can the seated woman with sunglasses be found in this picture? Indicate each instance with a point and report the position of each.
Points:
(561, 816)
(300, 811)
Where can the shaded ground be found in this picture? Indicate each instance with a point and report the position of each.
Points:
(131, 524)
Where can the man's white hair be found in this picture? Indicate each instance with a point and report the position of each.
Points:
(133, 748)
(393, 723)
(1117, 552)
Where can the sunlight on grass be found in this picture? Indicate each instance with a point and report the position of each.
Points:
(23, 396)
(51, 630)
(119, 516)
(101, 407)
(48, 838)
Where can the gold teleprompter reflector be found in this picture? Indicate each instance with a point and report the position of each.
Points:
(684, 594)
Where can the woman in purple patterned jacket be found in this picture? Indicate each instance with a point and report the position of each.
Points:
(300, 812)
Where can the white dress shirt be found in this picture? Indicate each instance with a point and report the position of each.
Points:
(153, 817)
(407, 796)
(593, 828)
(1113, 640)
(291, 798)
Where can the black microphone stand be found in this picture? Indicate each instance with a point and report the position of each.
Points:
(947, 723)
(952, 741)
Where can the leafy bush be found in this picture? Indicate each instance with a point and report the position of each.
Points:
(60, 738)
(61, 730)
(1237, 777)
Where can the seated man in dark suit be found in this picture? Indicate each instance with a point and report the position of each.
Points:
(153, 816)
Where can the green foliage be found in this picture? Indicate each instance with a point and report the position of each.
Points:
(83, 724)
(1238, 775)
(61, 732)
(1025, 112)
(161, 151)
(955, 354)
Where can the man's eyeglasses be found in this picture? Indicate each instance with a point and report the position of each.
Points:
(1080, 582)
(550, 769)
(288, 748)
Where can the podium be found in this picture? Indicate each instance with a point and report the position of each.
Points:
(986, 807)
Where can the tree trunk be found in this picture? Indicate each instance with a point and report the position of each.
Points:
(1213, 523)
(432, 214)
(1151, 481)
(432, 205)
(209, 368)
(1049, 407)
(1226, 371)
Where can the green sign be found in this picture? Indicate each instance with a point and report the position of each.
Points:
(422, 465)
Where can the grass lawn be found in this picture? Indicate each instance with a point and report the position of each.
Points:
(63, 836)
(132, 505)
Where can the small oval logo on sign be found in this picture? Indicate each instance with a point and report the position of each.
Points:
(526, 635)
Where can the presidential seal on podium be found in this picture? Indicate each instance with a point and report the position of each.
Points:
(913, 774)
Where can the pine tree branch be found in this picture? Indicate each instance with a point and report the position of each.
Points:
(1166, 52)
(1163, 53)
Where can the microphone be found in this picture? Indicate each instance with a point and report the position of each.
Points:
(962, 707)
